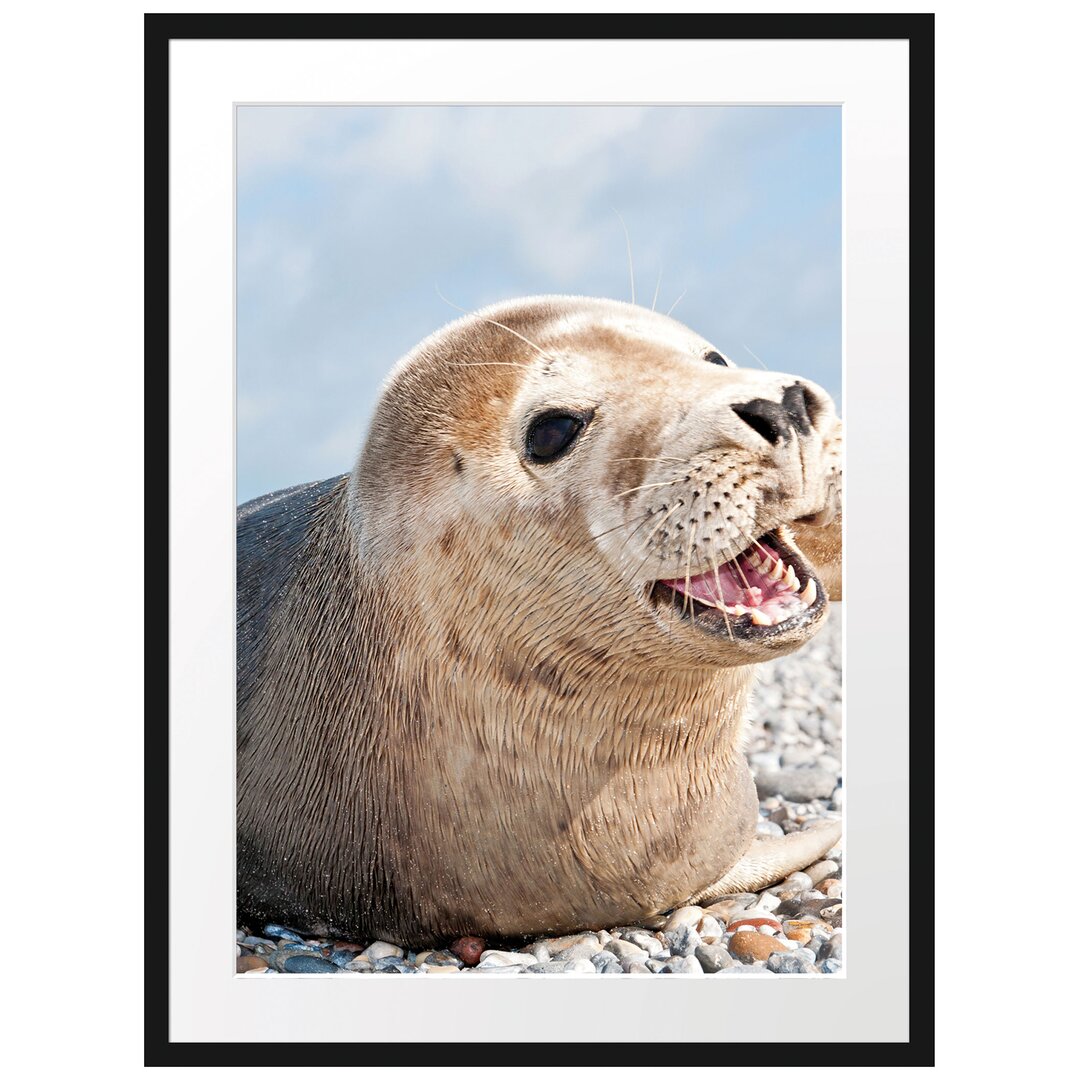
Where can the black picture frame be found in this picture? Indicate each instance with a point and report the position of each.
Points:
(160, 30)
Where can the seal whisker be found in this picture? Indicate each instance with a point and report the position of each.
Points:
(642, 487)
(687, 598)
(756, 357)
(630, 535)
(648, 540)
(720, 595)
(643, 517)
(502, 326)
(659, 525)
(488, 363)
(656, 293)
(676, 304)
(735, 562)
(629, 254)
(678, 461)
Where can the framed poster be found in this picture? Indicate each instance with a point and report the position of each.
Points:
(317, 171)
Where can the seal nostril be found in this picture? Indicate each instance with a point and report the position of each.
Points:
(765, 417)
(797, 405)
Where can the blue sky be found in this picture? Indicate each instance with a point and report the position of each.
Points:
(350, 218)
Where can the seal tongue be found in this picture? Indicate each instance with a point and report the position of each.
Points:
(756, 583)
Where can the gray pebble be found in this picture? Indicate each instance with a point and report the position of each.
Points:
(798, 755)
(638, 968)
(545, 967)
(682, 941)
(359, 964)
(272, 930)
(682, 965)
(829, 966)
(644, 940)
(497, 958)
(769, 828)
(799, 785)
(442, 958)
(713, 958)
(833, 949)
(255, 942)
(394, 965)
(303, 963)
(821, 870)
(288, 949)
(765, 760)
(581, 951)
(342, 957)
(377, 950)
(540, 950)
(626, 951)
(789, 964)
(582, 965)
(653, 964)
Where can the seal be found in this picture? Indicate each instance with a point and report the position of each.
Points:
(492, 680)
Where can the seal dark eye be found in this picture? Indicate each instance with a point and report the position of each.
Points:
(715, 358)
(552, 434)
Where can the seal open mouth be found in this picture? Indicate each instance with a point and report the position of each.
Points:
(764, 591)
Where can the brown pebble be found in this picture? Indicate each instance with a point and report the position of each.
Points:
(826, 884)
(749, 945)
(468, 950)
(250, 963)
(347, 946)
(802, 930)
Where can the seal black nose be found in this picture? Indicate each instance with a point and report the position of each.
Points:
(773, 421)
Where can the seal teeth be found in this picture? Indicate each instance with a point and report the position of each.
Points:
(777, 571)
(809, 594)
(790, 580)
(759, 618)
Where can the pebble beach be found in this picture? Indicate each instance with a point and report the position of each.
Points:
(794, 744)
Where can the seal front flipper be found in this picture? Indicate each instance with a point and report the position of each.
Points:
(770, 859)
